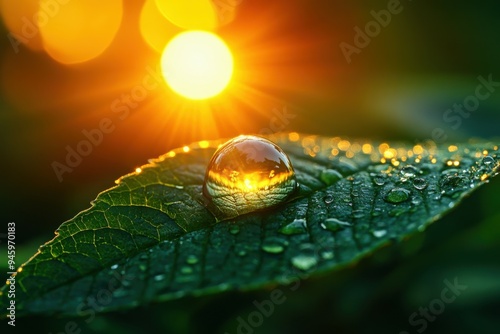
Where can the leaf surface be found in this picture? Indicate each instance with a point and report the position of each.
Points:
(152, 237)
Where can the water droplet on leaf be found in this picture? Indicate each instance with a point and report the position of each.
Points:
(274, 245)
(452, 184)
(409, 171)
(380, 179)
(397, 195)
(297, 226)
(488, 163)
(330, 176)
(334, 224)
(328, 199)
(488, 160)
(419, 183)
(234, 229)
(304, 261)
(248, 173)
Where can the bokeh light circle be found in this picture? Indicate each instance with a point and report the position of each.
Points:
(190, 14)
(80, 30)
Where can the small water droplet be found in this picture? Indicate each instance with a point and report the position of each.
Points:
(237, 179)
(380, 179)
(330, 176)
(192, 259)
(419, 183)
(358, 213)
(379, 233)
(452, 184)
(334, 224)
(409, 171)
(488, 160)
(114, 266)
(416, 201)
(357, 182)
(328, 199)
(274, 245)
(397, 195)
(304, 261)
(297, 226)
(234, 229)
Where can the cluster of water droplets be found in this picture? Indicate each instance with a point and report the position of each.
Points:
(404, 177)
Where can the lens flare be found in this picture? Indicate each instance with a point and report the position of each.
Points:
(155, 30)
(81, 30)
(190, 14)
(197, 64)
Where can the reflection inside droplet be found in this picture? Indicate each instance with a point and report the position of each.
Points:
(248, 173)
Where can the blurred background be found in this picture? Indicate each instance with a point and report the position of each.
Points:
(69, 68)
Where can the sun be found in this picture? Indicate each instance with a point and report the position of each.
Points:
(197, 64)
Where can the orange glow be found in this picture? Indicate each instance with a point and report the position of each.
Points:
(81, 30)
(250, 182)
(155, 30)
(22, 19)
(418, 149)
(204, 144)
(390, 153)
(293, 136)
(276, 57)
(344, 145)
(367, 148)
(189, 14)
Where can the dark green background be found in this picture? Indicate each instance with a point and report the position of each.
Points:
(398, 87)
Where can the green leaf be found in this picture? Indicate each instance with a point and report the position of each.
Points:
(152, 238)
